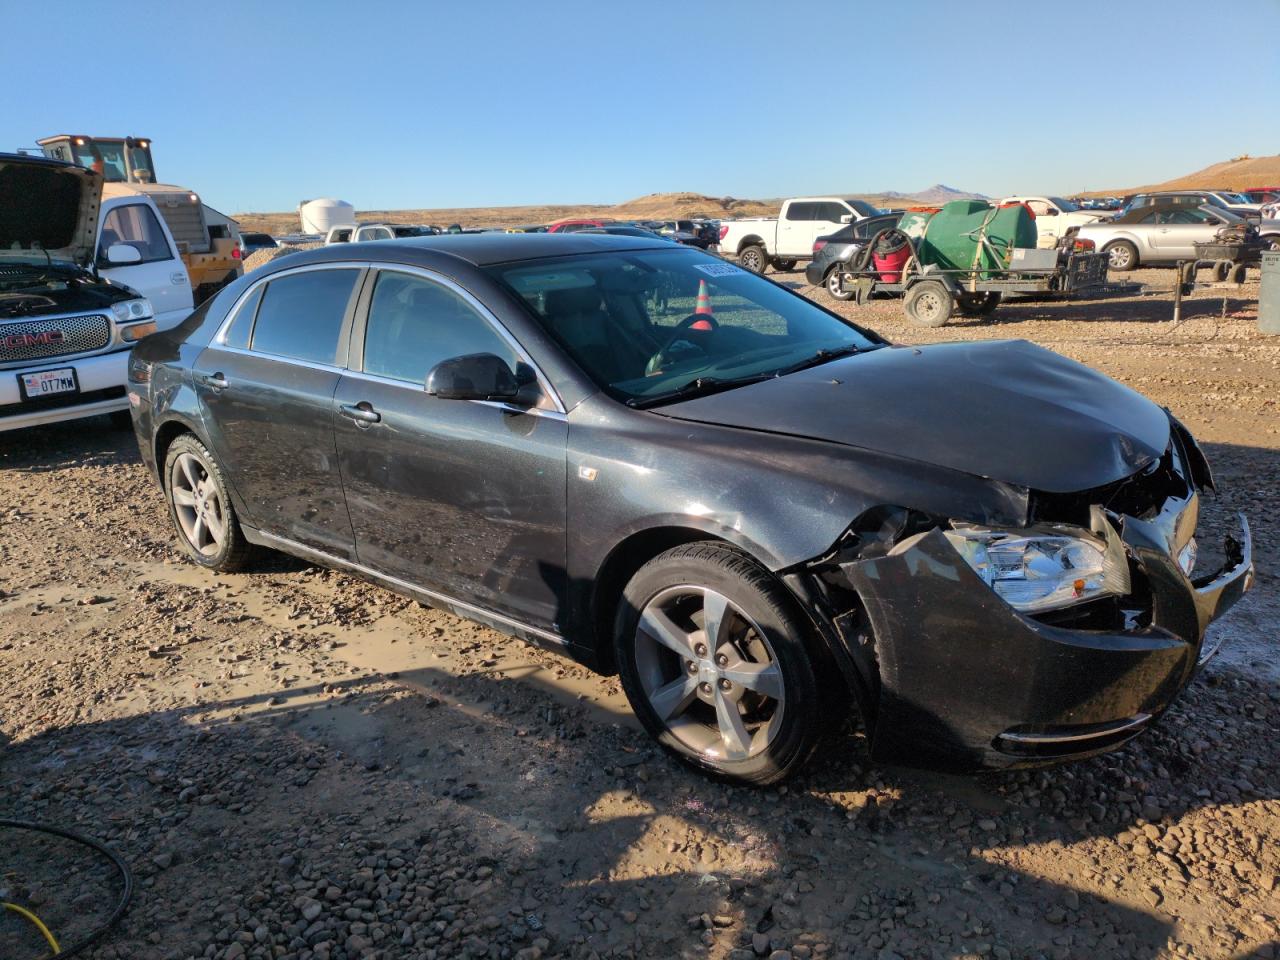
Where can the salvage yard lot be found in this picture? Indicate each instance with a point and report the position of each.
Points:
(300, 764)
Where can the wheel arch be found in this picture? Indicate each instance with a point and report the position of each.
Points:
(167, 432)
(751, 240)
(637, 549)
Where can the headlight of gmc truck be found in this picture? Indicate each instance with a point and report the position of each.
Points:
(127, 311)
(1034, 572)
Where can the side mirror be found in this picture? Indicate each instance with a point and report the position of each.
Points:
(476, 376)
(847, 218)
(118, 254)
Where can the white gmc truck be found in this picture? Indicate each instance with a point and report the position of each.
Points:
(783, 241)
(81, 281)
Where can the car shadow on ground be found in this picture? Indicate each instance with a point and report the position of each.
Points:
(589, 822)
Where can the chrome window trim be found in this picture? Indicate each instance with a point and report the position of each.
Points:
(292, 361)
(298, 548)
(485, 314)
(417, 388)
(220, 337)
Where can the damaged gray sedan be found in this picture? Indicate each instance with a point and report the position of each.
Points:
(762, 516)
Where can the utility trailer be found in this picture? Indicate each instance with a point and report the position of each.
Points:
(932, 294)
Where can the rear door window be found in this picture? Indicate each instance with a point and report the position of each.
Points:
(802, 211)
(301, 316)
(415, 323)
(134, 225)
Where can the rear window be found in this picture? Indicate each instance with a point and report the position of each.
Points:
(301, 315)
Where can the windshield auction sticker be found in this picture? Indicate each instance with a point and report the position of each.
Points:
(718, 269)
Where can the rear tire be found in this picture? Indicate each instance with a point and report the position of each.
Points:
(753, 258)
(1122, 256)
(784, 264)
(928, 304)
(200, 508)
(834, 287)
(759, 720)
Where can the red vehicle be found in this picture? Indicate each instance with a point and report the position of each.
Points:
(573, 226)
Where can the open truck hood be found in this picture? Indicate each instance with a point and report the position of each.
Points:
(50, 206)
(1007, 410)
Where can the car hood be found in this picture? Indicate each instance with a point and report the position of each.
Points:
(48, 206)
(1006, 410)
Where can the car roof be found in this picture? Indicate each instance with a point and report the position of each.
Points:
(477, 249)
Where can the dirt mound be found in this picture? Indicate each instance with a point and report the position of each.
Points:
(676, 206)
(260, 258)
(1240, 173)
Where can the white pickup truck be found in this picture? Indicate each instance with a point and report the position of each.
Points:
(1054, 216)
(783, 241)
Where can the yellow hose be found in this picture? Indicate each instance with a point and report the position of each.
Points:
(23, 911)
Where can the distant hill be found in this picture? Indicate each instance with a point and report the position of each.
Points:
(1240, 173)
(653, 206)
(938, 194)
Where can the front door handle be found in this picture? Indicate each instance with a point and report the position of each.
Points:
(215, 380)
(362, 413)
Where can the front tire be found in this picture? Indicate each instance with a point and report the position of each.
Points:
(200, 508)
(753, 258)
(1122, 256)
(714, 658)
(977, 304)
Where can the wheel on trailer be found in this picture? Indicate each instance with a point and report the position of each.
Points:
(834, 287)
(928, 304)
(1188, 275)
(753, 258)
(977, 304)
(1121, 255)
(784, 264)
(1237, 273)
(1221, 268)
(720, 665)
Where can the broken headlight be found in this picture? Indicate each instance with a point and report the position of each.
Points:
(1034, 572)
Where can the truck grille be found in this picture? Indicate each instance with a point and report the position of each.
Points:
(53, 337)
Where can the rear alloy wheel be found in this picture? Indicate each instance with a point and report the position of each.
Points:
(835, 288)
(713, 657)
(1121, 255)
(201, 511)
(753, 258)
(928, 304)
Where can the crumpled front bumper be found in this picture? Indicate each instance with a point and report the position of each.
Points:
(957, 679)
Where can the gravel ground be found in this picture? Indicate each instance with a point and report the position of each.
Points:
(301, 765)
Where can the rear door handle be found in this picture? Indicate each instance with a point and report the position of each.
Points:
(215, 380)
(361, 413)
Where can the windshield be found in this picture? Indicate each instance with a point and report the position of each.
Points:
(1066, 206)
(646, 325)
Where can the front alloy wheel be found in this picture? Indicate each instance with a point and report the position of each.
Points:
(718, 664)
(709, 673)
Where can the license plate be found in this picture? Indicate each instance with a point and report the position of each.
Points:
(46, 383)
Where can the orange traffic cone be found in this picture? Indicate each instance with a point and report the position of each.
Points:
(703, 308)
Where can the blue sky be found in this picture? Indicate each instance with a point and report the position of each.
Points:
(417, 104)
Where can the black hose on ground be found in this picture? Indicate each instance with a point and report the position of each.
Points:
(126, 877)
